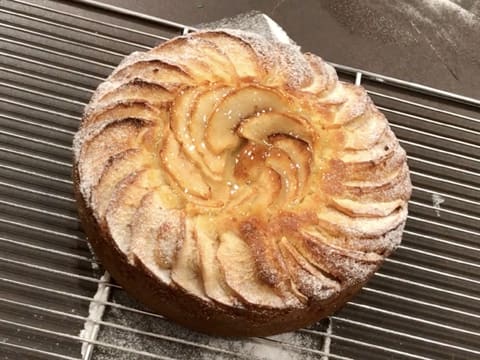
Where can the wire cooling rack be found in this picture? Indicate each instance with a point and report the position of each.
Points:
(423, 304)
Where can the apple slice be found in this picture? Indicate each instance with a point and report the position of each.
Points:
(99, 143)
(382, 150)
(186, 271)
(192, 58)
(378, 183)
(125, 201)
(269, 263)
(299, 155)
(264, 250)
(156, 233)
(239, 52)
(365, 131)
(346, 265)
(341, 224)
(241, 274)
(260, 128)
(324, 76)
(267, 187)
(154, 69)
(382, 245)
(241, 198)
(236, 106)
(185, 174)
(202, 110)
(306, 279)
(198, 48)
(356, 102)
(123, 110)
(370, 172)
(279, 161)
(213, 280)
(395, 185)
(180, 115)
(181, 120)
(366, 209)
(117, 168)
(136, 90)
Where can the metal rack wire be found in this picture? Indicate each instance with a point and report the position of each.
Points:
(423, 304)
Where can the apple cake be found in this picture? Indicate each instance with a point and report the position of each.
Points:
(235, 185)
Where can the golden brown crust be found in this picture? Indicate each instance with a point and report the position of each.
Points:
(235, 185)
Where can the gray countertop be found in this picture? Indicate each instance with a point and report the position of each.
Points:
(432, 42)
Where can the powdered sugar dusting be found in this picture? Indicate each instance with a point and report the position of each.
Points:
(298, 72)
(253, 22)
(95, 313)
(164, 338)
(437, 200)
(279, 34)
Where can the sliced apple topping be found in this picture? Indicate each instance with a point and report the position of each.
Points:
(309, 282)
(245, 195)
(156, 233)
(378, 183)
(260, 128)
(125, 201)
(241, 274)
(136, 90)
(124, 110)
(239, 52)
(366, 209)
(180, 115)
(102, 142)
(181, 123)
(198, 48)
(395, 186)
(376, 173)
(299, 155)
(279, 161)
(186, 271)
(190, 58)
(348, 266)
(255, 198)
(324, 76)
(161, 71)
(236, 106)
(186, 174)
(250, 175)
(337, 222)
(379, 152)
(268, 187)
(202, 110)
(117, 168)
(264, 251)
(213, 280)
(365, 131)
(250, 161)
(268, 260)
(355, 104)
(380, 244)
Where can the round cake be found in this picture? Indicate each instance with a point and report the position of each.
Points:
(235, 185)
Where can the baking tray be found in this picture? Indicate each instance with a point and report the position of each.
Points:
(58, 303)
